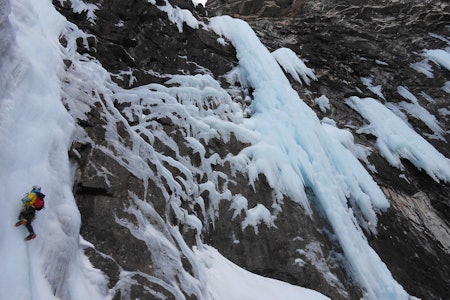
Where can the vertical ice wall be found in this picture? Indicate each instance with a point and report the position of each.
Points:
(35, 131)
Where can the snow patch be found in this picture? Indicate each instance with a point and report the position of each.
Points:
(178, 16)
(376, 89)
(228, 281)
(197, 2)
(323, 102)
(257, 215)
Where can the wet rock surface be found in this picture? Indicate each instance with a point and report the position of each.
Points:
(343, 41)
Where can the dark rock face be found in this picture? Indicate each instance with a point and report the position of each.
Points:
(343, 42)
(136, 35)
(256, 8)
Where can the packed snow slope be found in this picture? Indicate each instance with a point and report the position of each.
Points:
(49, 88)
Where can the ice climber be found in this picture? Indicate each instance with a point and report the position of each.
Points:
(31, 202)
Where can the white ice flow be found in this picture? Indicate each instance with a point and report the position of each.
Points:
(35, 130)
(295, 150)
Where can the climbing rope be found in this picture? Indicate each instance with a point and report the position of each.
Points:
(30, 290)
